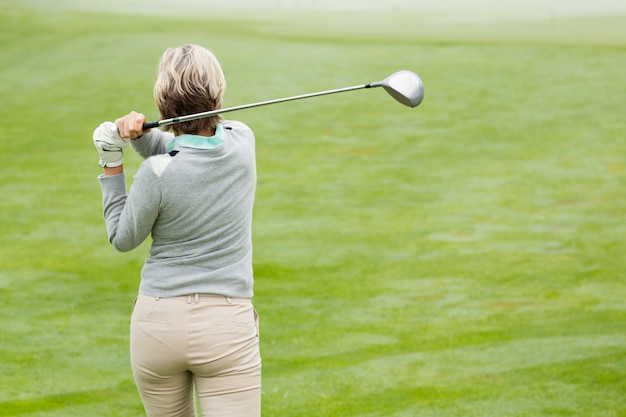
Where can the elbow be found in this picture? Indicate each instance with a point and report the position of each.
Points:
(120, 246)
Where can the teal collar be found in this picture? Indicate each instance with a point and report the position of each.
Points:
(198, 142)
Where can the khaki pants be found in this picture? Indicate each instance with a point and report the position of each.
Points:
(207, 341)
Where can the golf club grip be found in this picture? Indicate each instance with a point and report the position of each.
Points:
(149, 125)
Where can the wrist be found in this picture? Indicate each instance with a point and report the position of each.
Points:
(113, 170)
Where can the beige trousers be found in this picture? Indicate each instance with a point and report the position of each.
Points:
(204, 341)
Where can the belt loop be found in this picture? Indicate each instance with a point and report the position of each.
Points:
(228, 300)
(189, 299)
(197, 298)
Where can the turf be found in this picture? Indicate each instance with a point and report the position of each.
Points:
(465, 258)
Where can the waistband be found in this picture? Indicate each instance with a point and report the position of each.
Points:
(202, 298)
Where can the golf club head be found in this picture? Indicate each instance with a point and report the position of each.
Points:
(404, 86)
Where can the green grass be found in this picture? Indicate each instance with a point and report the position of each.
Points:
(465, 258)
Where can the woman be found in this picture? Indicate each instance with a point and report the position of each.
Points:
(193, 324)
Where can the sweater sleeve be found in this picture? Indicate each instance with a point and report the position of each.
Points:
(130, 217)
(152, 143)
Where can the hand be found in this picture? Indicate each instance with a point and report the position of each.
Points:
(130, 126)
(109, 144)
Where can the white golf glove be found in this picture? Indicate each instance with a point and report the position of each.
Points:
(110, 145)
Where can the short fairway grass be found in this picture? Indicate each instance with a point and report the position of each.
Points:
(463, 259)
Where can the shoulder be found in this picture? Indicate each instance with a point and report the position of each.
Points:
(239, 133)
(236, 126)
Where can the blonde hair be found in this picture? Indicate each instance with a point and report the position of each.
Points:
(189, 80)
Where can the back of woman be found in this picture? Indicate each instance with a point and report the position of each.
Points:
(193, 324)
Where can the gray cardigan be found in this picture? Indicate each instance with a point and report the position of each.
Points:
(197, 203)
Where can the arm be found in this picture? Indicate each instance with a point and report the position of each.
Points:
(152, 143)
(130, 217)
(146, 144)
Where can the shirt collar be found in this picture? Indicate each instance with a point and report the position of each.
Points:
(198, 142)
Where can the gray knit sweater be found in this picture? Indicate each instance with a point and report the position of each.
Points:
(197, 205)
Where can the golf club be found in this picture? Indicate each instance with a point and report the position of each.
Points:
(404, 86)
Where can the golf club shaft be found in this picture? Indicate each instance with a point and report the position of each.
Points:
(195, 116)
